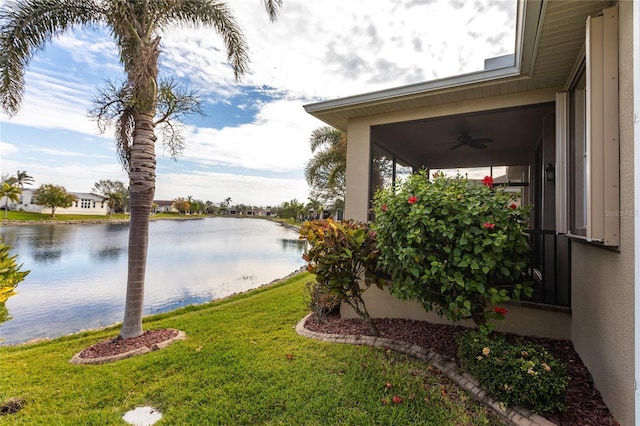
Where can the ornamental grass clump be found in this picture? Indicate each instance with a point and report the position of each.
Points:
(452, 244)
(343, 256)
(516, 373)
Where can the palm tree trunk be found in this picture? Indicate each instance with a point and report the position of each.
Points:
(142, 178)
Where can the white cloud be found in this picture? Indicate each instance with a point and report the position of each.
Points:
(7, 149)
(55, 103)
(277, 140)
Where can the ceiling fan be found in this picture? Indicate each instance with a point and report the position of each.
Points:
(466, 139)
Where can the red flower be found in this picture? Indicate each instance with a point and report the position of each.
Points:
(489, 225)
(397, 400)
(513, 206)
(500, 311)
(412, 200)
(384, 208)
(388, 385)
(488, 181)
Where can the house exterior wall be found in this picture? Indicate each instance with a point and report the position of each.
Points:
(521, 320)
(603, 280)
(94, 205)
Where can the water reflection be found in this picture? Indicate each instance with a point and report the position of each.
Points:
(293, 245)
(78, 272)
(108, 253)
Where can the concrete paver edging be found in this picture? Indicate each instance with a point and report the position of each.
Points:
(517, 416)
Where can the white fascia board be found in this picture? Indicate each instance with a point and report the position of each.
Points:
(414, 89)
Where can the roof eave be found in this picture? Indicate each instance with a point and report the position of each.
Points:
(414, 89)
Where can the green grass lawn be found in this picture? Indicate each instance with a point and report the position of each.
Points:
(241, 364)
(30, 216)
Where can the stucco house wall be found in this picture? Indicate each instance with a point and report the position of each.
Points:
(603, 280)
(87, 203)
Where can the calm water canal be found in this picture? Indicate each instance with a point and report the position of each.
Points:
(79, 272)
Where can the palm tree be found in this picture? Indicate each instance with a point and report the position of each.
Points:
(325, 172)
(20, 179)
(136, 26)
(114, 201)
(11, 192)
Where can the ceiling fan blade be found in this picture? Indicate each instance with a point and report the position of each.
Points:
(481, 140)
(456, 146)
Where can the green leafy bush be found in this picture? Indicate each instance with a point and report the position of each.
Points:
(343, 256)
(454, 245)
(520, 373)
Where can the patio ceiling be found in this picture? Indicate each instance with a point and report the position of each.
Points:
(516, 133)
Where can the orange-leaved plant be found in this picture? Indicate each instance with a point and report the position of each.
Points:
(343, 256)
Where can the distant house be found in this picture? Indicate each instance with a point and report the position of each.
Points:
(86, 203)
(257, 212)
(164, 206)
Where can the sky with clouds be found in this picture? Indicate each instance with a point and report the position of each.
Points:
(252, 144)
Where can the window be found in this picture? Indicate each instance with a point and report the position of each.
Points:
(588, 164)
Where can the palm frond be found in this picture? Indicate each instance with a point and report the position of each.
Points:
(25, 27)
(273, 7)
(216, 15)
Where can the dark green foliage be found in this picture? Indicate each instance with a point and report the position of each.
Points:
(454, 245)
(518, 373)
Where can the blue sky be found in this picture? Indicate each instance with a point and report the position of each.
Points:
(252, 144)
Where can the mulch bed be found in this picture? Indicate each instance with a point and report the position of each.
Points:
(116, 346)
(584, 403)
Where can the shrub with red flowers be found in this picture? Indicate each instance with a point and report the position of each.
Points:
(454, 245)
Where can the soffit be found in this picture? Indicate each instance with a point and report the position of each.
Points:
(557, 45)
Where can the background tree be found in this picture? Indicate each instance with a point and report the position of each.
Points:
(181, 204)
(21, 179)
(293, 209)
(326, 170)
(115, 200)
(314, 208)
(209, 207)
(197, 207)
(10, 192)
(224, 205)
(114, 191)
(53, 196)
(136, 26)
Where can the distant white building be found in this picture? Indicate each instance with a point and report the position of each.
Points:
(86, 203)
(164, 206)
